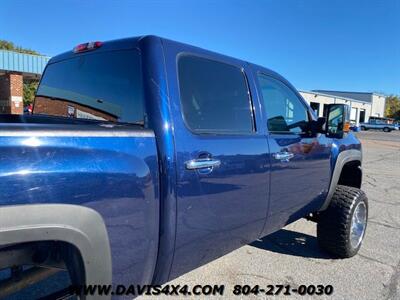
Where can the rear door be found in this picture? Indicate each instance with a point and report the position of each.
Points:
(300, 162)
(222, 162)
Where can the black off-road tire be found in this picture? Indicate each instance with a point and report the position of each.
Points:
(363, 128)
(386, 129)
(334, 223)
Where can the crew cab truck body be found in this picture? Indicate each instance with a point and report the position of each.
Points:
(146, 158)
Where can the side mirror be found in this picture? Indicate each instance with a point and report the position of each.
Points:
(318, 126)
(338, 120)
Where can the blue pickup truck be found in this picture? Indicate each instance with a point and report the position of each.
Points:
(146, 158)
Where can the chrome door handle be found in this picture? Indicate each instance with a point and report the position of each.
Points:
(283, 156)
(202, 163)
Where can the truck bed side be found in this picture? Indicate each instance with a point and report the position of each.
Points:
(111, 169)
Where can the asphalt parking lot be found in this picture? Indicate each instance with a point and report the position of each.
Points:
(291, 255)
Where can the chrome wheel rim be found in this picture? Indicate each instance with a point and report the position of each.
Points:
(358, 224)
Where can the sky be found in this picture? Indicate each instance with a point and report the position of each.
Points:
(349, 45)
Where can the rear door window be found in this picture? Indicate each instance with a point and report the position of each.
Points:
(214, 96)
(98, 86)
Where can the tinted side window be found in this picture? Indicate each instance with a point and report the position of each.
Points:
(214, 96)
(284, 110)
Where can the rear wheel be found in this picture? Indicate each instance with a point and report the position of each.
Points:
(341, 227)
(386, 129)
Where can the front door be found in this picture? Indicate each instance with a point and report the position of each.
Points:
(300, 163)
(222, 162)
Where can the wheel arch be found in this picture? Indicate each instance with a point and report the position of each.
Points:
(79, 226)
(347, 171)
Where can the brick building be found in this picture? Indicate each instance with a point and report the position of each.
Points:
(15, 69)
(64, 108)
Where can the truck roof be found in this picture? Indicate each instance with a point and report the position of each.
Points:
(133, 42)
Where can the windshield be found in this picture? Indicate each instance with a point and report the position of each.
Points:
(99, 86)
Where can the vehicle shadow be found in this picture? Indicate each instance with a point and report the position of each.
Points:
(291, 243)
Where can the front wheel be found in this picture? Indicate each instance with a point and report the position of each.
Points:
(363, 128)
(386, 129)
(341, 227)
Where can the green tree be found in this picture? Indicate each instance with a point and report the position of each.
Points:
(393, 107)
(31, 86)
(6, 45)
(29, 91)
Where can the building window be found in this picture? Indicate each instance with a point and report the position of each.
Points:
(325, 109)
(315, 107)
(362, 116)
